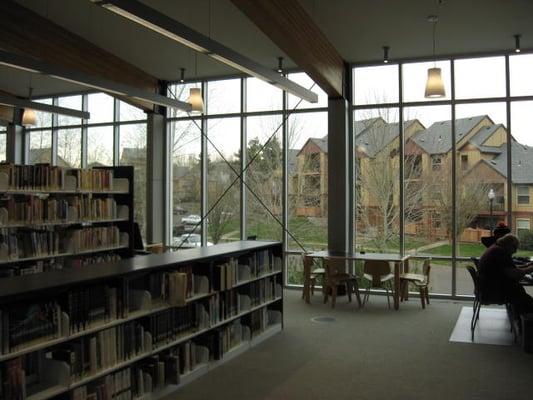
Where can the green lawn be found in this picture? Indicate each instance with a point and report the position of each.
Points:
(468, 250)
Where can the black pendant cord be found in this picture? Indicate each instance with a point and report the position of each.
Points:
(239, 176)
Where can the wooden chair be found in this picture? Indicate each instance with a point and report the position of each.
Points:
(421, 281)
(335, 276)
(378, 274)
(310, 277)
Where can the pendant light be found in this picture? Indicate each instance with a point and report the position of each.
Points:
(386, 54)
(29, 118)
(280, 65)
(434, 83)
(517, 43)
(195, 94)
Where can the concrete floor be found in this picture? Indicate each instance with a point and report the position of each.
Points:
(373, 354)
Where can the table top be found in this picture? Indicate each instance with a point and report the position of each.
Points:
(360, 256)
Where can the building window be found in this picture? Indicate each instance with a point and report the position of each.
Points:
(436, 162)
(523, 194)
(464, 162)
(522, 225)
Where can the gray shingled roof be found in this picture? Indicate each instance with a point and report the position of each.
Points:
(437, 138)
(373, 139)
(522, 163)
(483, 134)
(360, 126)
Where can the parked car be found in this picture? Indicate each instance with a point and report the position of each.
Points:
(192, 219)
(189, 241)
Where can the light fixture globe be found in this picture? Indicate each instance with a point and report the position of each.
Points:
(195, 100)
(434, 84)
(29, 118)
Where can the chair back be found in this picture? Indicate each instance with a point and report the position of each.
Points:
(307, 263)
(475, 280)
(377, 269)
(334, 267)
(426, 270)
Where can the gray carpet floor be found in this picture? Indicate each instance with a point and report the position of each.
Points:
(373, 353)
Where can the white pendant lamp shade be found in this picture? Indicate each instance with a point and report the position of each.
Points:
(29, 118)
(435, 84)
(196, 101)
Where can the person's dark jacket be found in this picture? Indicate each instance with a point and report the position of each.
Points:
(498, 275)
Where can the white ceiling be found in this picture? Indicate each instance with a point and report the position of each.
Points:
(357, 28)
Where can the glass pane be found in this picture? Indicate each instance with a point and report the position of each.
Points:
(415, 78)
(180, 92)
(521, 78)
(69, 147)
(3, 138)
(307, 174)
(481, 178)
(376, 85)
(262, 96)
(522, 175)
(428, 203)
(127, 112)
(224, 97)
(480, 77)
(73, 102)
(377, 180)
(264, 177)
(222, 180)
(186, 178)
(40, 147)
(304, 80)
(133, 152)
(43, 119)
(101, 107)
(100, 146)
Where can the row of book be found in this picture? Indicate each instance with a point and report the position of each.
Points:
(22, 325)
(35, 210)
(85, 357)
(49, 177)
(56, 264)
(116, 386)
(92, 238)
(241, 269)
(88, 355)
(38, 176)
(18, 244)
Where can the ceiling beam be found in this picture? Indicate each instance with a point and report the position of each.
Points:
(25, 32)
(158, 22)
(289, 26)
(7, 100)
(118, 89)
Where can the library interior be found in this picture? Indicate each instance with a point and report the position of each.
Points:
(172, 227)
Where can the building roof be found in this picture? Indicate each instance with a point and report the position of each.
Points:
(522, 163)
(376, 137)
(360, 126)
(437, 139)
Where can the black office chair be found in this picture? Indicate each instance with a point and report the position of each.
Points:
(481, 300)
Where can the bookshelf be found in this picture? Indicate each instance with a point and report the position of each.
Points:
(53, 218)
(137, 328)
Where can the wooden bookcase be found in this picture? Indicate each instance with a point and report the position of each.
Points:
(52, 217)
(138, 328)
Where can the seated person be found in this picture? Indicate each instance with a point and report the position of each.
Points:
(499, 276)
(498, 232)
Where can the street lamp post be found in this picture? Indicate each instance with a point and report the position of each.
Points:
(491, 195)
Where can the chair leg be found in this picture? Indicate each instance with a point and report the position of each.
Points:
(349, 290)
(475, 317)
(422, 298)
(357, 296)
(426, 292)
(313, 282)
(325, 290)
(333, 295)
(388, 298)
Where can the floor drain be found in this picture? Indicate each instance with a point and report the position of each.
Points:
(322, 319)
